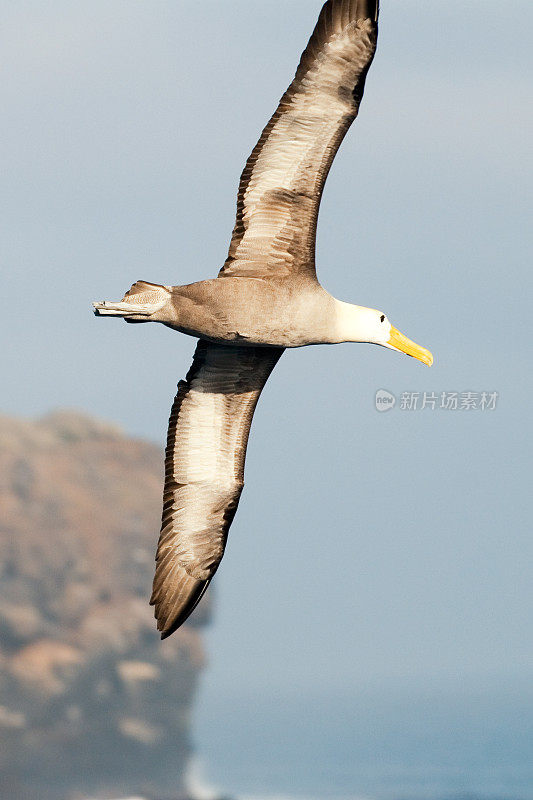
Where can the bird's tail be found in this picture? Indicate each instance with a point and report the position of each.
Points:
(139, 304)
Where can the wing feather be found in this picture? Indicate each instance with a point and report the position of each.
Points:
(204, 472)
(282, 183)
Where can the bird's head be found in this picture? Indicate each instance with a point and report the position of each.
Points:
(360, 324)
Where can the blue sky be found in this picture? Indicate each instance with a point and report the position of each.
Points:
(367, 546)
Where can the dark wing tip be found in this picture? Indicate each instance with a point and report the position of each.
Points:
(368, 9)
(352, 10)
(336, 14)
(173, 608)
(363, 9)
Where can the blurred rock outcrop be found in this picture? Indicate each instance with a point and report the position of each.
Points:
(91, 701)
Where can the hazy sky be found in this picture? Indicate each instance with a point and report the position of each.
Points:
(367, 546)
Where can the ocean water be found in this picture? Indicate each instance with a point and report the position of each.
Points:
(395, 743)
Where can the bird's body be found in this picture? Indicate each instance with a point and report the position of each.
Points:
(247, 311)
(266, 298)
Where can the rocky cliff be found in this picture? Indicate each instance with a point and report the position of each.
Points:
(91, 702)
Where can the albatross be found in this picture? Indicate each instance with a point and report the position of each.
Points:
(265, 299)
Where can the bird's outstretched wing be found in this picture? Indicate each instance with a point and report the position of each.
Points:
(282, 182)
(204, 471)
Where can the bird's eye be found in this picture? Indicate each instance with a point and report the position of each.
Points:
(383, 317)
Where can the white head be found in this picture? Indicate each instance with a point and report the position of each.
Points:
(360, 324)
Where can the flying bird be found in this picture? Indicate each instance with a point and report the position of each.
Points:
(265, 298)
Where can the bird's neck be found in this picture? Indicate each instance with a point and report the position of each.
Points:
(349, 322)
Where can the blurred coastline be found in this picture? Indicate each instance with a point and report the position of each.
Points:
(91, 701)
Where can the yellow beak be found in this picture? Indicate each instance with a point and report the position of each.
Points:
(401, 342)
